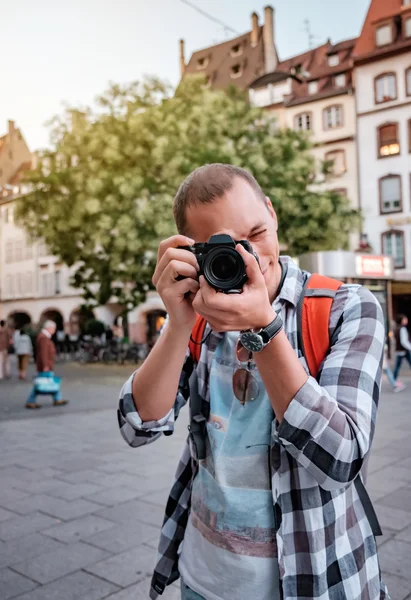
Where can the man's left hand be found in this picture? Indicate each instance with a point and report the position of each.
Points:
(235, 312)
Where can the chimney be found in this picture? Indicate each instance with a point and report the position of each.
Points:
(254, 30)
(11, 127)
(182, 59)
(270, 54)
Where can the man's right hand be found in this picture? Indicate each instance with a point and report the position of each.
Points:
(176, 294)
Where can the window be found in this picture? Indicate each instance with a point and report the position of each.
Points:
(29, 282)
(57, 282)
(338, 158)
(8, 215)
(29, 250)
(407, 28)
(406, 3)
(236, 50)
(388, 143)
(340, 80)
(408, 81)
(303, 122)
(9, 252)
(390, 194)
(19, 285)
(202, 62)
(297, 69)
(313, 87)
(18, 250)
(383, 35)
(333, 117)
(8, 284)
(393, 245)
(333, 60)
(236, 71)
(385, 88)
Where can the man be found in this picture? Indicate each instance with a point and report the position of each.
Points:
(5, 370)
(402, 344)
(45, 357)
(272, 512)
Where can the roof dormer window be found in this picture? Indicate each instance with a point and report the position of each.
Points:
(333, 60)
(236, 71)
(313, 87)
(340, 80)
(406, 3)
(202, 62)
(383, 35)
(236, 50)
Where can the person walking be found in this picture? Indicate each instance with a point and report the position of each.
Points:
(45, 357)
(402, 344)
(5, 370)
(268, 500)
(397, 386)
(24, 350)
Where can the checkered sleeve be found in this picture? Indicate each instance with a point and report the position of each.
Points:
(138, 433)
(328, 427)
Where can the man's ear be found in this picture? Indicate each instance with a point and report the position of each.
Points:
(271, 210)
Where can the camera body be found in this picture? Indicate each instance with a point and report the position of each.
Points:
(221, 264)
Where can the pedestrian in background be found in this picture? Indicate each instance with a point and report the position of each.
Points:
(5, 370)
(24, 350)
(45, 357)
(402, 344)
(397, 386)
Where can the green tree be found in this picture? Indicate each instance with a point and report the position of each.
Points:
(102, 198)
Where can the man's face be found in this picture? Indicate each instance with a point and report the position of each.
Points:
(51, 330)
(243, 215)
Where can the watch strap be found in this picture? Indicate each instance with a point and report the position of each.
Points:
(268, 333)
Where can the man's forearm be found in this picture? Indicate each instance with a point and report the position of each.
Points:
(282, 373)
(155, 384)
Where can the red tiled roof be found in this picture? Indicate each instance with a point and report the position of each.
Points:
(378, 10)
(17, 176)
(219, 62)
(313, 66)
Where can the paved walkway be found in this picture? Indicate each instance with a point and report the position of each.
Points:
(80, 511)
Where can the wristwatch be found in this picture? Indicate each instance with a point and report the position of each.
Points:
(255, 341)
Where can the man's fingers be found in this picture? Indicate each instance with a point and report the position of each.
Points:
(173, 254)
(175, 271)
(251, 264)
(183, 287)
(173, 242)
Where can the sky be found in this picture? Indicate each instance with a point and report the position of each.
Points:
(57, 53)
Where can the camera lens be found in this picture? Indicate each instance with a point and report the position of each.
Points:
(224, 267)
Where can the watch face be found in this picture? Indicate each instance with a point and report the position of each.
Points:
(252, 341)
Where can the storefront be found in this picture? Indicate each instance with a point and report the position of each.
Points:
(374, 272)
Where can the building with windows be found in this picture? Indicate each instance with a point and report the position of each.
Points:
(382, 73)
(313, 92)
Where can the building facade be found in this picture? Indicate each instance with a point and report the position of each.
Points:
(382, 74)
(313, 92)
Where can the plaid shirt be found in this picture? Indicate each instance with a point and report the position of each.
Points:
(326, 548)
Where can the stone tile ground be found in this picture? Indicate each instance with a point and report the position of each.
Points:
(80, 511)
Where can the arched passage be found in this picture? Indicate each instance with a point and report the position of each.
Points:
(78, 318)
(52, 314)
(18, 319)
(155, 319)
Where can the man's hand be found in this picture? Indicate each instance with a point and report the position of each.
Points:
(177, 295)
(235, 312)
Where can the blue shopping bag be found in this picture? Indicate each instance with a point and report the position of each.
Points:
(47, 383)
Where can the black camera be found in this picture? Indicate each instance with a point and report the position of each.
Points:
(221, 264)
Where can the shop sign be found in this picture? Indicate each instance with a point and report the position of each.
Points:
(398, 221)
(372, 266)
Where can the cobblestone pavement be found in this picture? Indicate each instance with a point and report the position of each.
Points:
(80, 511)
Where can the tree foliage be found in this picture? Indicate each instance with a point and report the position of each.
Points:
(102, 198)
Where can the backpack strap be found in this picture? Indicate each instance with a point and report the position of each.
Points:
(196, 338)
(198, 411)
(313, 317)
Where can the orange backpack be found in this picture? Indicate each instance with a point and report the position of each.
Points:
(313, 314)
